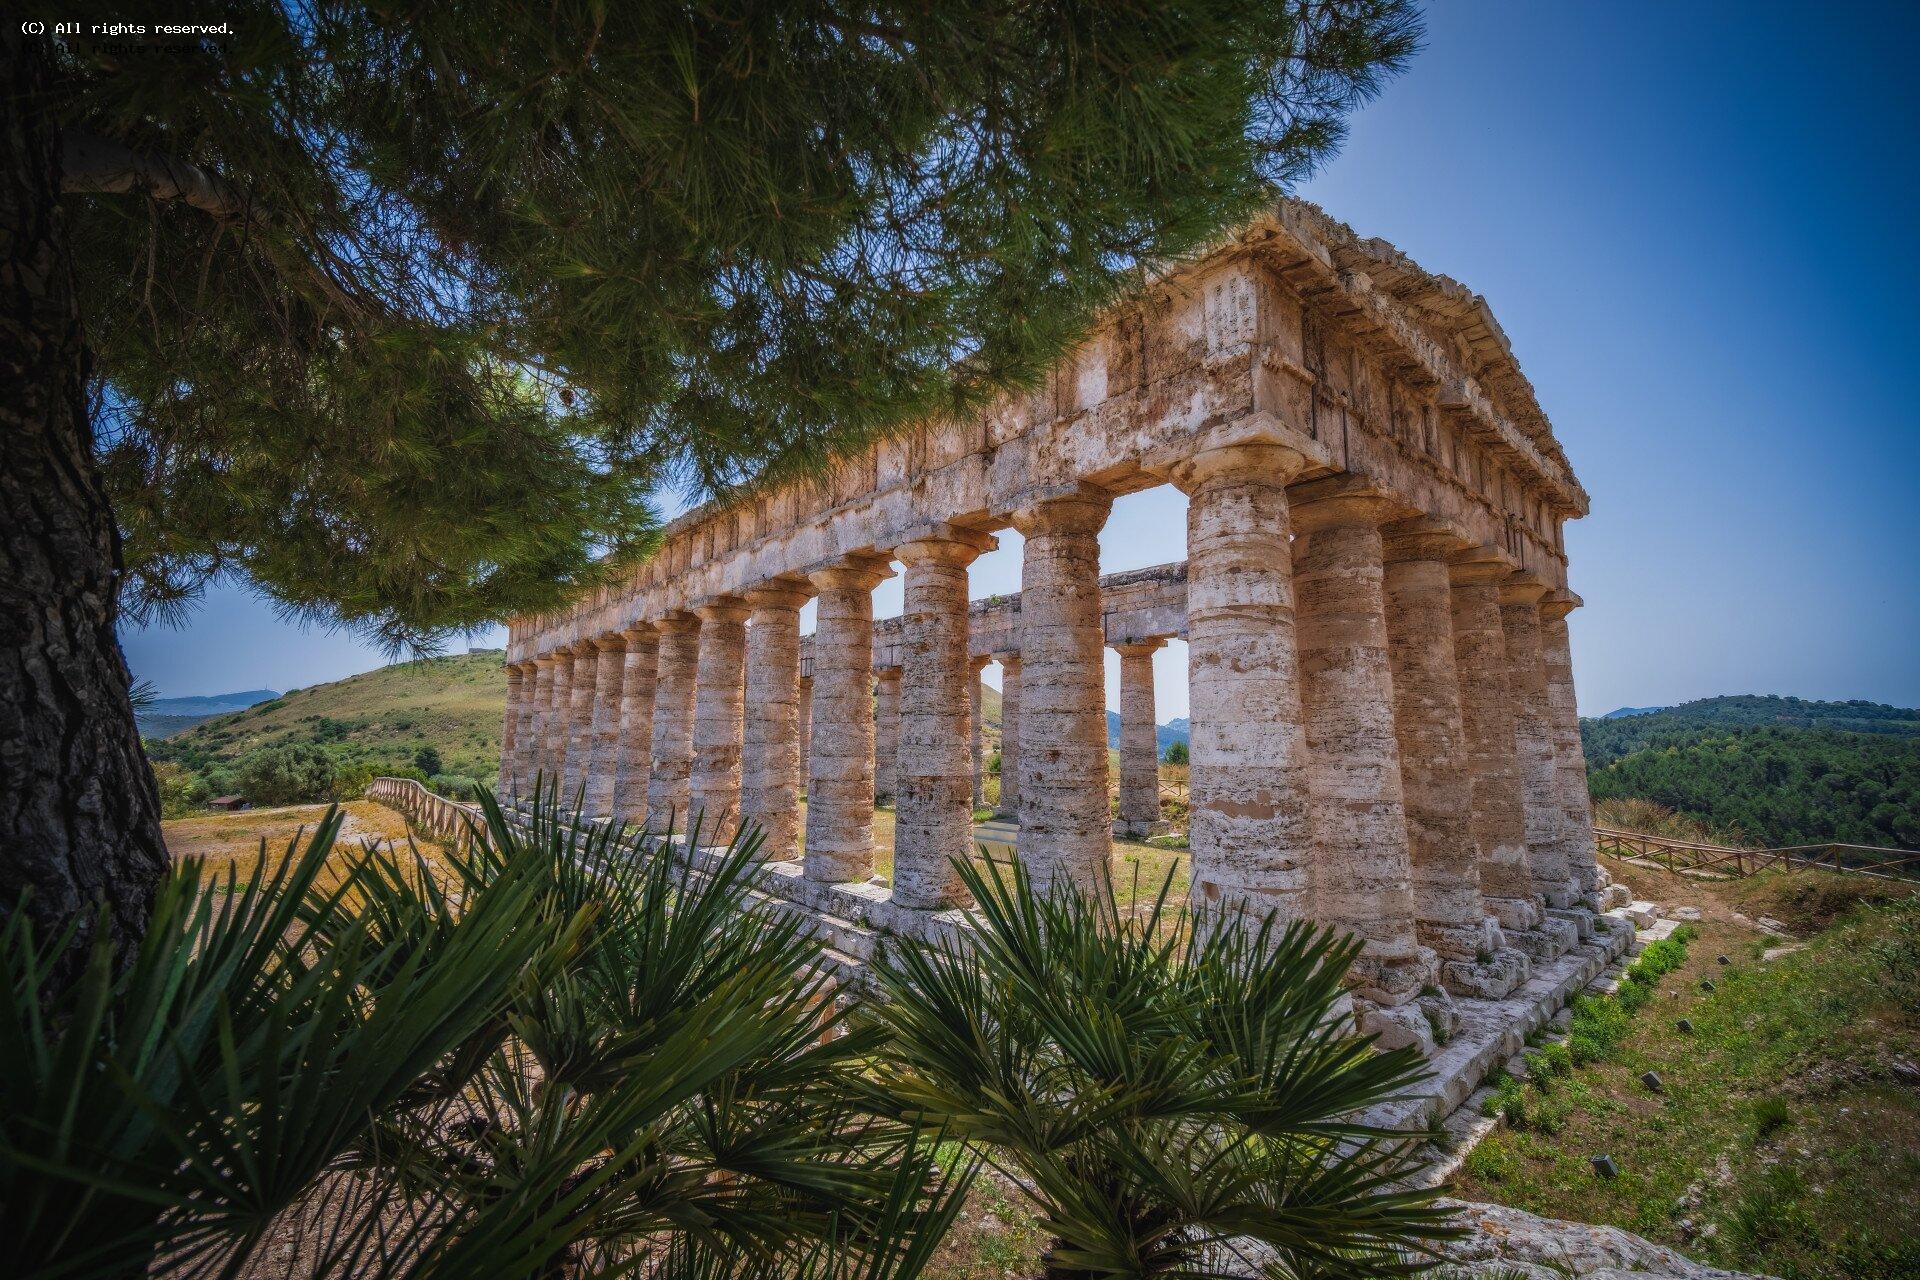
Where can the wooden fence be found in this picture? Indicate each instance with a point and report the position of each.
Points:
(1722, 860)
(434, 816)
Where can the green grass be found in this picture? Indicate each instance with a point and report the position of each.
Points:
(1781, 1140)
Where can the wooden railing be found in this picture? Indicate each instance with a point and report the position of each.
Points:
(434, 815)
(1723, 860)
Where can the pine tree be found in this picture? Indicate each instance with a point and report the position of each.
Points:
(401, 313)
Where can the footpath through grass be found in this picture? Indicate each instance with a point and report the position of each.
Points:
(1784, 1133)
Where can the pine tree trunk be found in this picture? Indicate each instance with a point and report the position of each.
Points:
(79, 811)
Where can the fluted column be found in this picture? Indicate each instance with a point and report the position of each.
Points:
(586, 678)
(886, 732)
(1543, 814)
(713, 787)
(1486, 717)
(637, 680)
(1569, 755)
(1363, 869)
(1250, 837)
(1449, 914)
(559, 725)
(933, 789)
(536, 761)
(806, 725)
(840, 761)
(603, 769)
(770, 762)
(667, 789)
(1139, 741)
(526, 749)
(1009, 803)
(1066, 822)
(976, 731)
(510, 728)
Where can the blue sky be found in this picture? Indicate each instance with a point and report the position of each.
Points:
(1696, 222)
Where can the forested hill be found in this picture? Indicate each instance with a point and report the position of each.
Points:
(1769, 770)
(1607, 739)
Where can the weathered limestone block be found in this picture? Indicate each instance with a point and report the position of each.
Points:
(1066, 824)
(603, 766)
(770, 763)
(1544, 816)
(637, 680)
(510, 728)
(1362, 871)
(1139, 741)
(1486, 715)
(886, 732)
(713, 784)
(1250, 835)
(1569, 757)
(1449, 914)
(667, 786)
(559, 715)
(933, 785)
(1008, 805)
(976, 731)
(840, 761)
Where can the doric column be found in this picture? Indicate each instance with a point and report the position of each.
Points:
(933, 792)
(586, 675)
(510, 728)
(976, 731)
(1569, 756)
(1363, 869)
(806, 725)
(1009, 803)
(1249, 833)
(886, 731)
(535, 761)
(1449, 914)
(840, 761)
(637, 680)
(770, 760)
(526, 749)
(1066, 822)
(1543, 814)
(1486, 717)
(667, 793)
(1139, 741)
(604, 768)
(713, 786)
(559, 725)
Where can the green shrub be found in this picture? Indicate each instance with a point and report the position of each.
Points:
(1769, 1115)
(454, 786)
(291, 774)
(1177, 753)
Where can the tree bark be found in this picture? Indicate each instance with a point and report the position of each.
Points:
(79, 810)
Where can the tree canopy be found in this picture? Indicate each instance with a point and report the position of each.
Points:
(405, 313)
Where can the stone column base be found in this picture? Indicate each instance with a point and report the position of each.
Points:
(1461, 941)
(1425, 1022)
(1492, 979)
(1390, 981)
(1515, 913)
(1124, 830)
(1552, 939)
(1579, 917)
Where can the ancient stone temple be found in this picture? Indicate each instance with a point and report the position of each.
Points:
(1373, 596)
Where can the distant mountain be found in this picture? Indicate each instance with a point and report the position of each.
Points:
(1164, 735)
(164, 717)
(1611, 736)
(1621, 712)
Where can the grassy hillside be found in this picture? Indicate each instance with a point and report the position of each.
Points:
(1784, 1133)
(1768, 771)
(373, 723)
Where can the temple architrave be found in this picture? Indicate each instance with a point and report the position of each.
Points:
(1373, 595)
